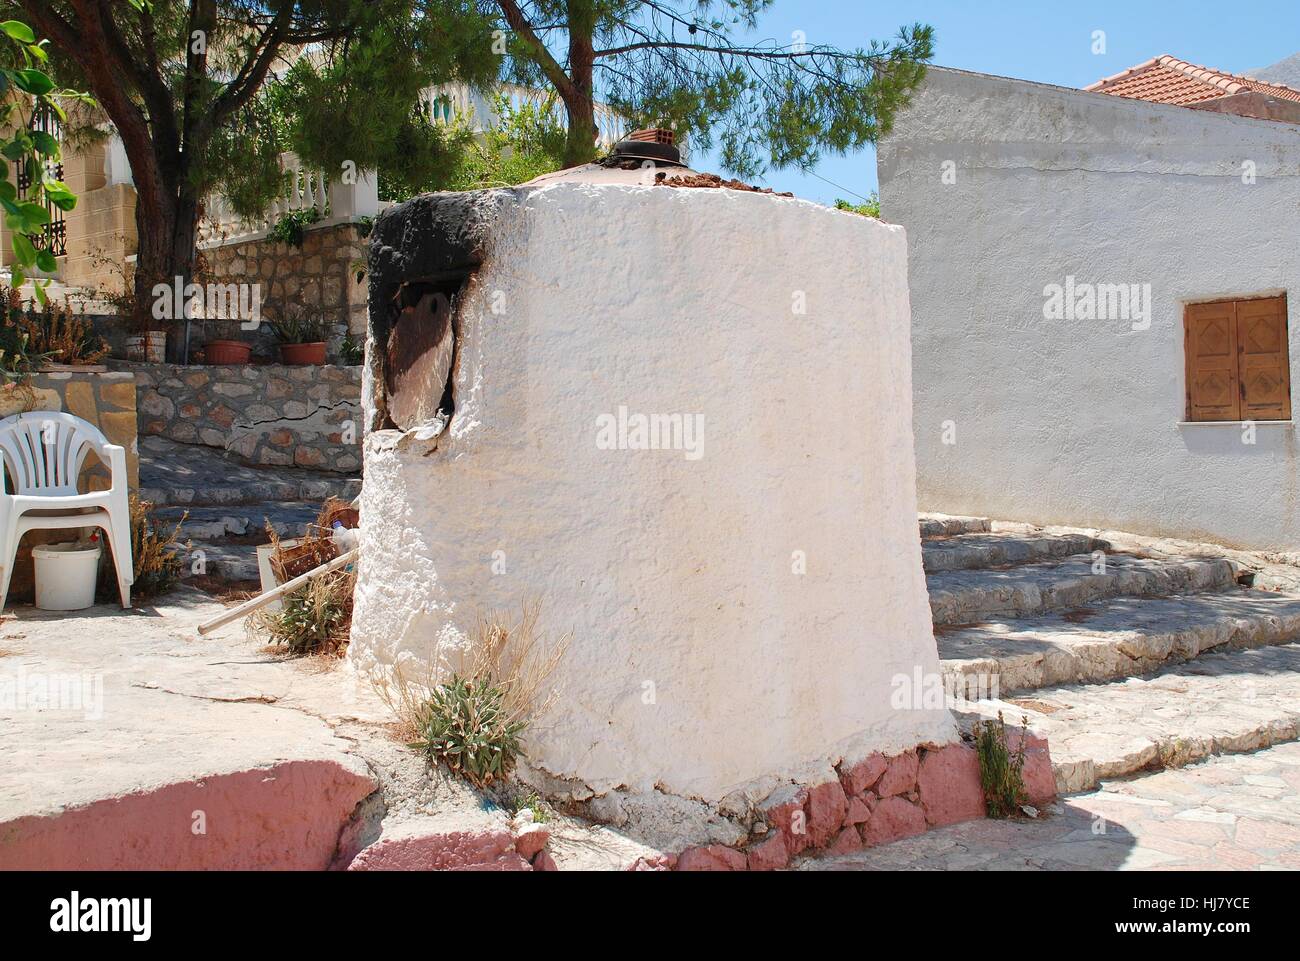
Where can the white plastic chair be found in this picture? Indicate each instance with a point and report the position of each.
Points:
(43, 453)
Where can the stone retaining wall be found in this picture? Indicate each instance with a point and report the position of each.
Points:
(104, 398)
(267, 415)
(317, 280)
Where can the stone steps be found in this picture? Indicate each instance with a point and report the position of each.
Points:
(1119, 638)
(190, 475)
(252, 494)
(231, 562)
(947, 525)
(1221, 703)
(288, 518)
(961, 597)
(228, 503)
(994, 549)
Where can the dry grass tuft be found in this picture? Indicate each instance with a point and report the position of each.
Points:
(315, 619)
(511, 654)
(155, 553)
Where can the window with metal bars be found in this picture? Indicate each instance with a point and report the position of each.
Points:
(54, 235)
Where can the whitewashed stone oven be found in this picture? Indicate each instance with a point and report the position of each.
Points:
(681, 418)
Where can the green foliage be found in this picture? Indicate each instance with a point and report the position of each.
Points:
(34, 335)
(871, 208)
(313, 619)
(1001, 772)
(466, 725)
(350, 352)
(357, 105)
(18, 359)
(532, 803)
(526, 142)
(298, 328)
(227, 86)
(687, 64)
(23, 83)
(290, 228)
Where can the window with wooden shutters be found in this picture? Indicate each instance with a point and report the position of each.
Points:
(1238, 367)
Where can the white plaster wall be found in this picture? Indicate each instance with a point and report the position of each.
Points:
(1078, 421)
(673, 572)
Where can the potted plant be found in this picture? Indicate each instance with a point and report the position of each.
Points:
(225, 352)
(302, 340)
(147, 344)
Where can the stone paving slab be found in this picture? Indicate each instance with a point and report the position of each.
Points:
(1121, 637)
(966, 596)
(946, 525)
(968, 551)
(1217, 704)
(1235, 812)
(155, 704)
(169, 715)
(195, 476)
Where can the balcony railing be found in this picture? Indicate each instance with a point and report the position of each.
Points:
(449, 100)
(339, 202)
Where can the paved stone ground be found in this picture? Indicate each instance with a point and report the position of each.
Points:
(177, 708)
(1236, 812)
(139, 703)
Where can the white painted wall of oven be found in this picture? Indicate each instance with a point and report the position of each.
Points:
(674, 575)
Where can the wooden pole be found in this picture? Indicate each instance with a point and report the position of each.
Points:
(261, 600)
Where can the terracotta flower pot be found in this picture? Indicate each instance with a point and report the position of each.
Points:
(226, 352)
(301, 354)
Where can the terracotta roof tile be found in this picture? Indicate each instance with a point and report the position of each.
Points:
(1170, 80)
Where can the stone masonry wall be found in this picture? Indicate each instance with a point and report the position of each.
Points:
(105, 399)
(267, 415)
(318, 280)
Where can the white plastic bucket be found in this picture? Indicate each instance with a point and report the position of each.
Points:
(66, 575)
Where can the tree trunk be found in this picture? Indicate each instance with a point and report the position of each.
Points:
(155, 227)
(167, 230)
(580, 144)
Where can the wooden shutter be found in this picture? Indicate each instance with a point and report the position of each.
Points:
(1212, 388)
(1264, 366)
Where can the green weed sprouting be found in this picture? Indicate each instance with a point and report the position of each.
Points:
(1001, 772)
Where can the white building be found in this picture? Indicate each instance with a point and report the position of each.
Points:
(1099, 296)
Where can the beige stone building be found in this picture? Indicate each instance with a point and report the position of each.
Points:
(95, 244)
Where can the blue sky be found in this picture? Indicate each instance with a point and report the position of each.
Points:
(1047, 41)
